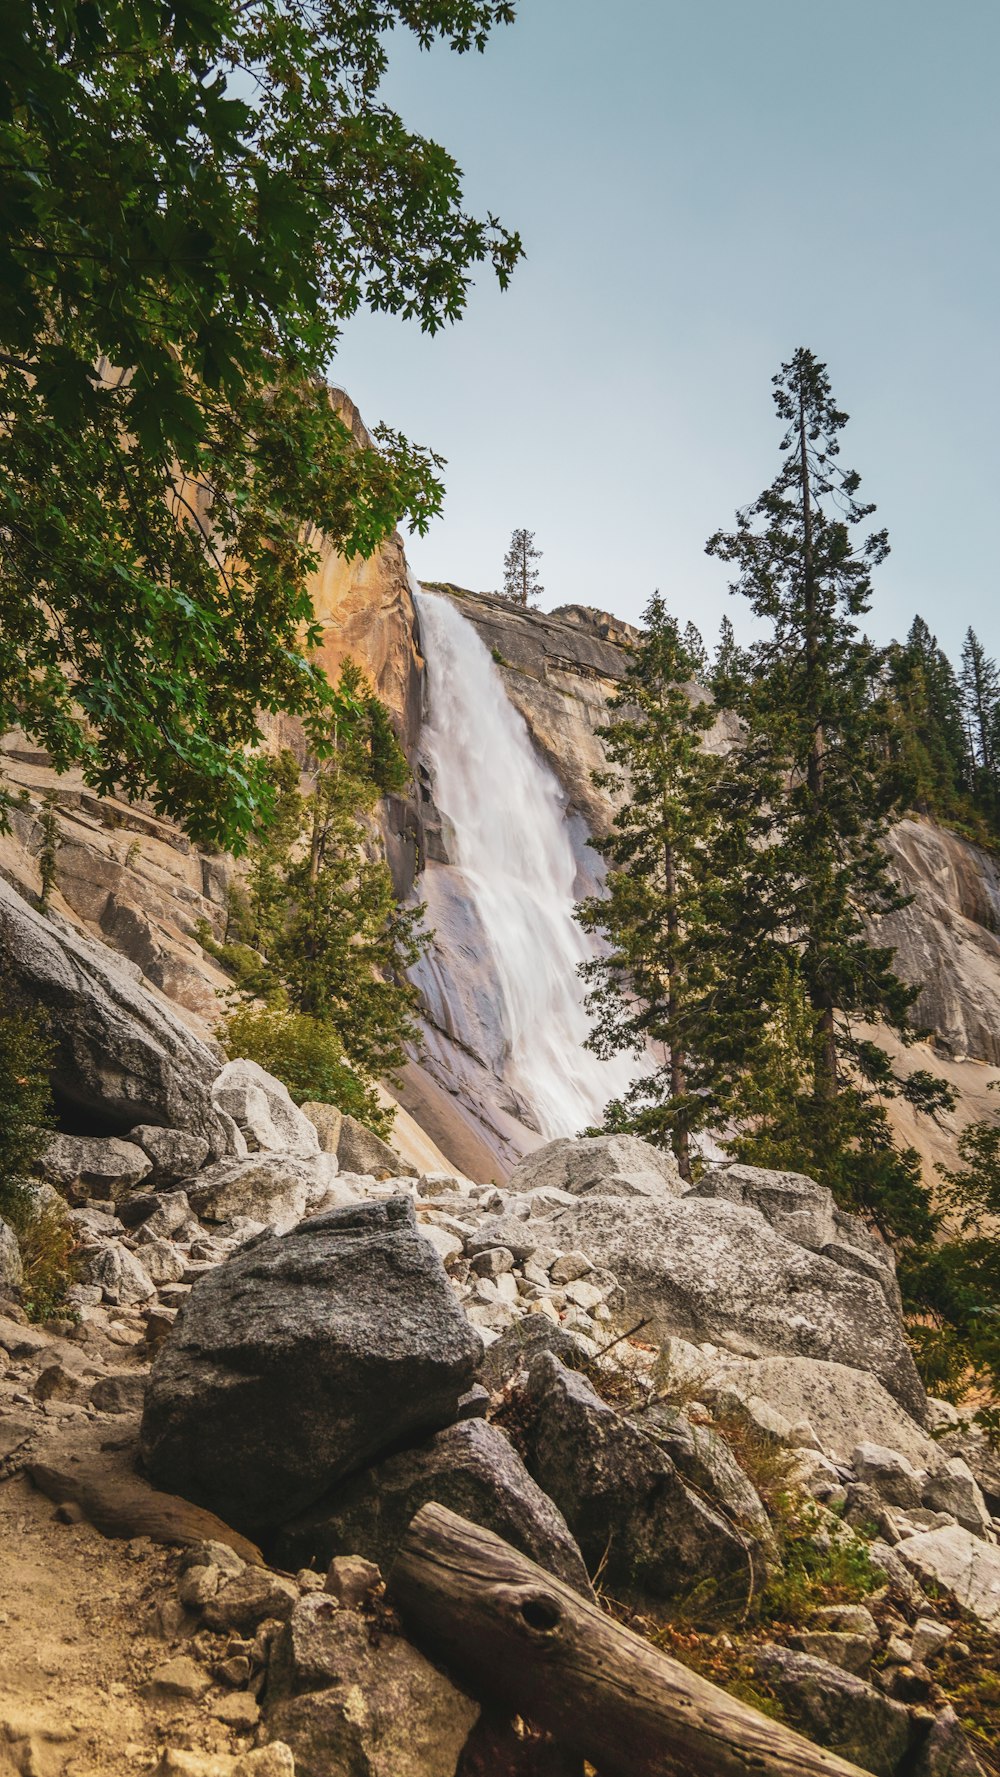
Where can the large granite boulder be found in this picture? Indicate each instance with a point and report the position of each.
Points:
(304, 1358)
(272, 1189)
(122, 1055)
(954, 1561)
(85, 1166)
(263, 1109)
(652, 1537)
(472, 1469)
(361, 1150)
(837, 1709)
(608, 1165)
(716, 1271)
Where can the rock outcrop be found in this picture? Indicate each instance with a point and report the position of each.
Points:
(304, 1360)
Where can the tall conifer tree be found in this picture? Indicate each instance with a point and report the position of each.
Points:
(651, 985)
(799, 867)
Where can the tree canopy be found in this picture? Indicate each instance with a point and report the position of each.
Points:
(195, 197)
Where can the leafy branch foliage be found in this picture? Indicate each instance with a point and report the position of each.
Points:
(194, 198)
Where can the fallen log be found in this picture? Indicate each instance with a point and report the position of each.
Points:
(512, 1632)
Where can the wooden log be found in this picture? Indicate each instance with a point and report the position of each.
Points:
(510, 1631)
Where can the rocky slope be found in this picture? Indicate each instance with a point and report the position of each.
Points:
(299, 1345)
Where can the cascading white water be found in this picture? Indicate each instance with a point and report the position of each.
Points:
(509, 840)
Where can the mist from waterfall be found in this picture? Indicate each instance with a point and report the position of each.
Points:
(504, 813)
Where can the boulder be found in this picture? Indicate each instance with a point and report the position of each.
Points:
(894, 1479)
(520, 1344)
(93, 1166)
(371, 1707)
(705, 1459)
(946, 1751)
(651, 1537)
(608, 1165)
(470, 1468)
(360, 1150)
(175, 1154)
(304, 1358)
(971, 1443)
(118, 1273)
(836, 1708)
(263, 1110)
(267, 1188)
(956, 1562)
(806, 1213)
(326, 1120)
(718, 1271)
(123, 1056)
(11, 1269)
(954, 1489)
(844, 1406)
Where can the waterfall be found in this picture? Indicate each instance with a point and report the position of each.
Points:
(507, 838)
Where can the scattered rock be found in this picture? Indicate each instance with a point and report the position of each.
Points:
(11, 1269)
(961, 1565)
(303, 1359)
(121, 1392)
(359, 1150)
(837, 1709)
(516, 1348)
(352, 1581)
(954, 1489)
(326, 1120)
(844, 1405)
(608, 1165)
(706, 1460)
(929, 1638)
(946, 1751)
(181, 1677)
(263, 1110)
(622, 1497)
(93, 1166)
(175, 1153)
(851, 1653)
(119, 1274)
(270, 1189)
(238, 1710)
(254, 1596)
(893, 1478)
(383, 1711)
(470, 1468)
(719, 1271)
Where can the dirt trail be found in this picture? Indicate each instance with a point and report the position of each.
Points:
(78, 1636)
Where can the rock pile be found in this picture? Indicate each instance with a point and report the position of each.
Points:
(317, 1352)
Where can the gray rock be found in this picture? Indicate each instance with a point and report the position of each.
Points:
(520, 1239)
(253, 1596)
(960, 1564)
(120, 1392)
(838, 1647)
(608, 1165)
(268, 1188)
(374, 1708)
(954, 1489)
(845, 1406)
(175, 1153)
(170, 1214)
(118, 1273)
(121, 1055)
(972, 1444)
(470, 1468)
(326, 1120)
(651, 1537)
(11, 1269)
(360, 1150)
(520, 1344)
(894, 1479)
(163, 1260)
(263, 1109)
(93, 1166)
(946, 1751)
(705, 1459)
(303, 1359)
(837, 1709)
(352, 1581)
(718, 1271)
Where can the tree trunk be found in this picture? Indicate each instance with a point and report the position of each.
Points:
(825, 1067)
(509, 1630)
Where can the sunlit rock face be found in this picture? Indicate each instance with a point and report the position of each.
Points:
(948, 940)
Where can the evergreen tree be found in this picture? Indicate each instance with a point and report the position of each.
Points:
(926, 731)
(650, 985)
(799, 869)
(696, 651)
(318, 930)
(729, 662)
(980, 683)
(520, 575)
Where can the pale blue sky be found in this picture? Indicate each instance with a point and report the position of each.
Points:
(701, 188)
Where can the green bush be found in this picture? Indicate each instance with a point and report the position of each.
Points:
(43, 1233)
(306, 1055)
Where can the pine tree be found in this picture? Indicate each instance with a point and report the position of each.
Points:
(798, 864)
(696, 651)
(729, 663)
(926, 732)
(520, 575)
(648, 988)
(980, 683)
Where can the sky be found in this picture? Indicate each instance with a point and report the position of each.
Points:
(701, 188)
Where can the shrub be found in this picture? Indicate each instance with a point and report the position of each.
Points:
(306, 1055)
(43, 1232)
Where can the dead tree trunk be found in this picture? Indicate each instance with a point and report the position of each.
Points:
(512, 1632)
